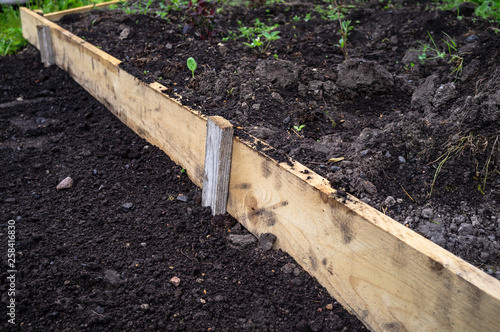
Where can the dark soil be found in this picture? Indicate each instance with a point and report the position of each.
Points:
(88, 261)
(390, 115)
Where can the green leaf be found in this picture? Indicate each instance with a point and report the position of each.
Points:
(192, 65)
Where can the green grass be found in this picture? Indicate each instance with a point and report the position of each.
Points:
(487, 9)
(11, 36)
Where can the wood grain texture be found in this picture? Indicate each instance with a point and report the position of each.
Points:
(392, 278)
(45, 42)
(56, 16)
(218, 151)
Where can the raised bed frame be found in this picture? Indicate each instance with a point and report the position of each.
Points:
(392, 278)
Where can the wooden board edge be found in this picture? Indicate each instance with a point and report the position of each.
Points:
(56, 16)
(481, 287)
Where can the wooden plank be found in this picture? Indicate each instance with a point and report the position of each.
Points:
(218, 151)
(45, 42)
(392, 278)
(56, 16)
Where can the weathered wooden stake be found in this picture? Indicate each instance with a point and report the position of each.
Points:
(45, 42)
(218, 152)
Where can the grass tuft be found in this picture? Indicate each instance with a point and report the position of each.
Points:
(11, 35)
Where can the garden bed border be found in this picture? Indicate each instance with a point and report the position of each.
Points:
(392, 278)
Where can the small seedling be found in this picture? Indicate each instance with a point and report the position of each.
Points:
(408, 67)
(345, 31)
(192, 65)
(256, 35)
(183, 171)
(299, 128)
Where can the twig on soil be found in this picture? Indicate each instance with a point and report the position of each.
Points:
(186, 255)
(488, 163)
(296, 133)
(406, 192)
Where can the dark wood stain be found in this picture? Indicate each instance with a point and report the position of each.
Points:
(266, 171)
(242, 186)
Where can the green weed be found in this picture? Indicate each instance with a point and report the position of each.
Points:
(428, 52)
(11, 34)
(345, 31)
(486, 9)
(259, 37)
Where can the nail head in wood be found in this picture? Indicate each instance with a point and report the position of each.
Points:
(218, 151)
(45, 42)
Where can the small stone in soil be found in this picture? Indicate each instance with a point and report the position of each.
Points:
(126, 207)
(288, 268)
(266, 241)
(67, 183)
(175, 281)
(369, 187)
(427, 213)
(329, 306)
(277, 97)
(471, 38)
(401, 159)
(182, 198)
(100, 310)
(466, 229)
(145, 306)
(112, 277)
(475, 221)
(242, 240)
(389, 201)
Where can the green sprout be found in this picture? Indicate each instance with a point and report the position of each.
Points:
(299, 128)
(452, 53)
(192, 65)
(345, 31)
(345, 28)
(257, 34)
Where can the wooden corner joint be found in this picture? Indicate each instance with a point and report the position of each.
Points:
(45, 42)
(218, 151)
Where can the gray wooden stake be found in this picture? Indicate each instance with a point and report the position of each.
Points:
(45, 43)
(218, 152)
